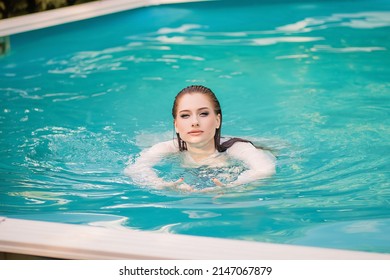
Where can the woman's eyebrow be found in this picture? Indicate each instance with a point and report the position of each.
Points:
(199, 109)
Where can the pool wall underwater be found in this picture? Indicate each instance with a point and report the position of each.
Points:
(25, 239)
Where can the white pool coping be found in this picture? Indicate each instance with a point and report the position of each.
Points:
(15, 25)
(66, 241)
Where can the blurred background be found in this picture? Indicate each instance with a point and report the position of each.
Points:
(12, 8)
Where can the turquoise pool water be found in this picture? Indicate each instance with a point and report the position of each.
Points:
(309, 79)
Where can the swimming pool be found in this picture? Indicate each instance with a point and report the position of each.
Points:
(308, 79)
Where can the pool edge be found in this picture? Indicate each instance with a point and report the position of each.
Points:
(30, 22)
(82, 242)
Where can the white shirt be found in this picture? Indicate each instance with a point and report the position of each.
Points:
(260, 163)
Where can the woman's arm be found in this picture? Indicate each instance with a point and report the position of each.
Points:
(142, 172)
(261, 164)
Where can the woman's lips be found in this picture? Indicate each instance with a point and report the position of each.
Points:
(195, 132)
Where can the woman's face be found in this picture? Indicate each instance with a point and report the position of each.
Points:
(196, 121)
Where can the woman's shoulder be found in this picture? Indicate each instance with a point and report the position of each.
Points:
(240, 146)
(169, 146)
(247, 149)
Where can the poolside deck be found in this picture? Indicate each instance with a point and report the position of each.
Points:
(58, 16)
(25, 239)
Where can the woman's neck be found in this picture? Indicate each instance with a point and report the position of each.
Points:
(200, 153)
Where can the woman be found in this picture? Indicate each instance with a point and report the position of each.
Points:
(197, 118)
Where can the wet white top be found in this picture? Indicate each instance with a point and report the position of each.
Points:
(260, 163)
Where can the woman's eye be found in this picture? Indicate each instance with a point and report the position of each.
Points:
(204, 114)
(184, 116)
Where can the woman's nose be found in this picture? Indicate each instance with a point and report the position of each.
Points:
(195, 122)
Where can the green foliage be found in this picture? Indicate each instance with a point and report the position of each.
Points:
(12, 8)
